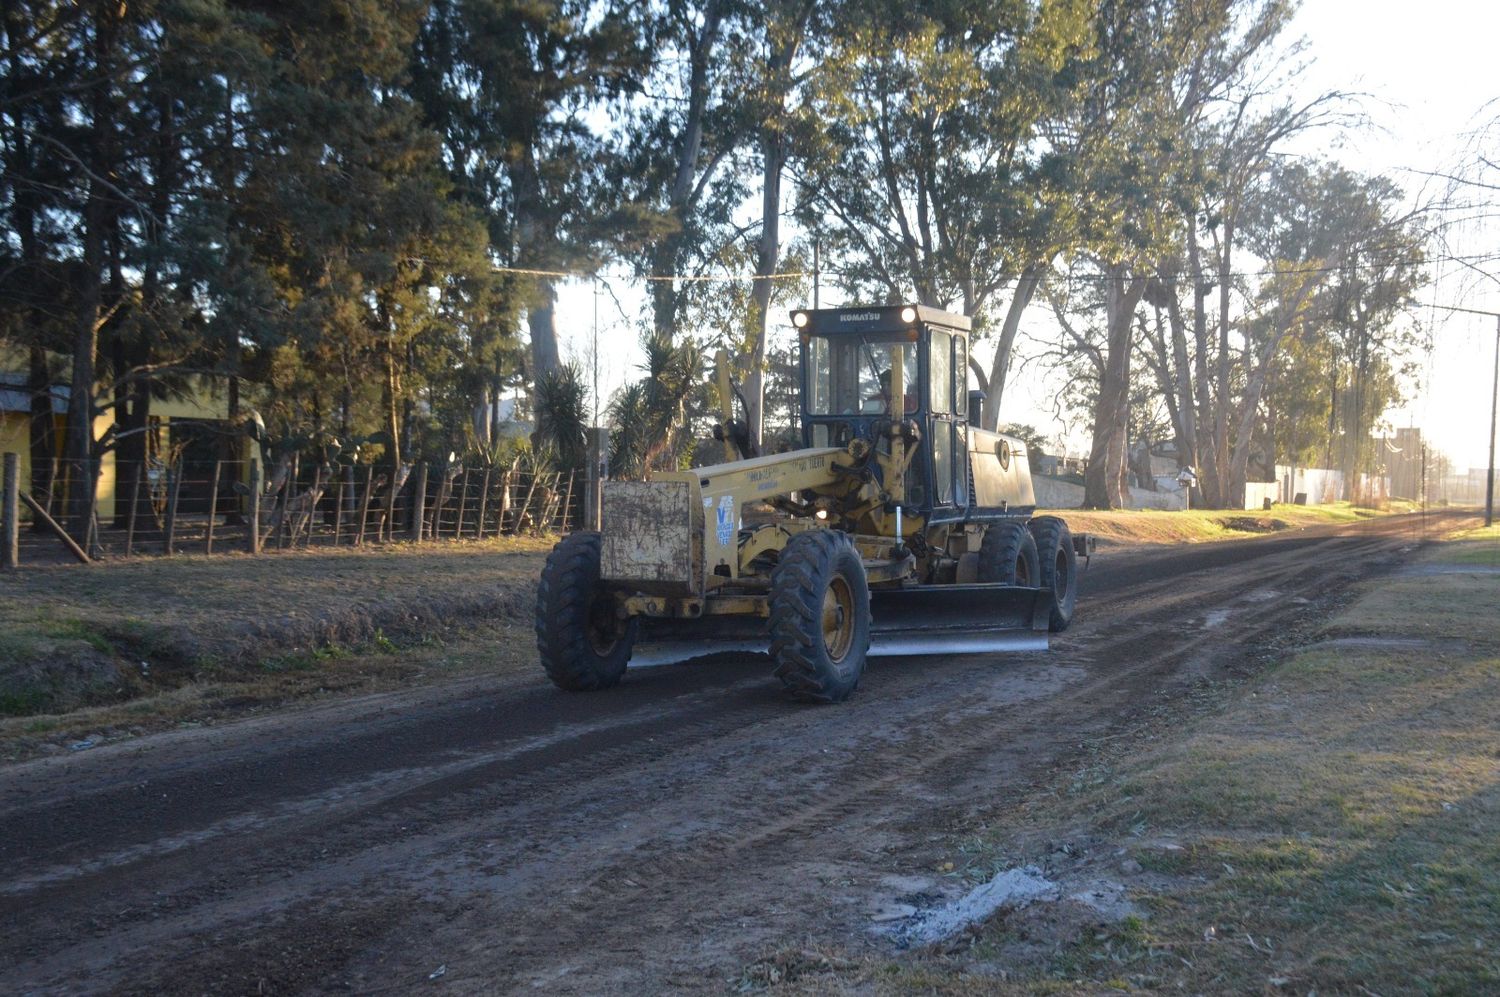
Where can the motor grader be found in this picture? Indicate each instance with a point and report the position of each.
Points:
(899, 527)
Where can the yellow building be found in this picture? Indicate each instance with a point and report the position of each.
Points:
(175, 424)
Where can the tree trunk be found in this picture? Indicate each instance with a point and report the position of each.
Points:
(1187, 430)
(768, 253)
(1102, 482)
(79, 452)
(994, 389)
(541, 321)
(1208, 470)
(686, 184)
(1222, 387)
(390, 400)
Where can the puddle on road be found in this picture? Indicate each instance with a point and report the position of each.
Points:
(1215, 617)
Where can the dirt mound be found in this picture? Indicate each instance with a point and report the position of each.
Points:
(1256, 524)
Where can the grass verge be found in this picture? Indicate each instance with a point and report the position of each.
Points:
(191, 634)
(1330, 826)
(1144, 526)
(74, 638)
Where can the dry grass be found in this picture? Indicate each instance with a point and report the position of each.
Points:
(73, 637)
(1336, 823)
(1145, 526)
(174, 638)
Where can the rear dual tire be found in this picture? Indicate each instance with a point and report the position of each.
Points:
(1058, 564)
(1008, 556)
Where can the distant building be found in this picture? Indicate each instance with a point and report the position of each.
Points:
(193, 428)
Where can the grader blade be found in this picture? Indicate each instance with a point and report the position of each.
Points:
(938, 619)
(667, 642)
(958, 619)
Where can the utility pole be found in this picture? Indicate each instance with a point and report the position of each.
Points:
(817, 269)
(1489, 481)
(596, 351)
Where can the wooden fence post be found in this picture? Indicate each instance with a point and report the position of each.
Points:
(419, 503)
(567, 506)
(213, 507)
(10, 514)
(135, 505)
(252, 539)
(364, 505)
(484, 501)
(338, 508)
(463, 496)
(174, 485)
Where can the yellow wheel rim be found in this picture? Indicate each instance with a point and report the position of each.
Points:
(838, 618)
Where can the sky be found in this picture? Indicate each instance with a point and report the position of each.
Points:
(1427, 71)
(1433, 66)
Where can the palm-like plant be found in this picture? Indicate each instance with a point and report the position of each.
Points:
(562, 416)
(650, 415)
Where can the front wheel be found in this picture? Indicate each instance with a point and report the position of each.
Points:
(1059, 568)
(820, 616)
(582, 643)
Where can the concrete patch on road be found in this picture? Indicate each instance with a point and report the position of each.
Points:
(1011, 888)
(917, 919)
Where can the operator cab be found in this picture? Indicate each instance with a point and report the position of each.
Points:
(852, 359)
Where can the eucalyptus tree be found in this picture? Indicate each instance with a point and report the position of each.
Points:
(1345, 258)
(787, 29)
(1189, 107)
(682, 157)
(522, 94)
(929, 172)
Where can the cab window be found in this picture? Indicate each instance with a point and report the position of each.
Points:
(850, 375)
(940, 376)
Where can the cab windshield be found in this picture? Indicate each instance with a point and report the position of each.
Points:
(850, 375)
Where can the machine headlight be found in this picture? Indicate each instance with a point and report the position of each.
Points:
(908, 314)
(799, 319)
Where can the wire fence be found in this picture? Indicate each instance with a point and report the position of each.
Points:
(204, 507)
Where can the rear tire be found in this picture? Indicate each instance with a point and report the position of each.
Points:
(820, 616)
(1059, 568)
(582, 644)
(1007, 556)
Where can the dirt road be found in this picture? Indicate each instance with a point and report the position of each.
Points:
(500, 835)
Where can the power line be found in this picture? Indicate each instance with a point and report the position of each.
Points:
(1165, 278)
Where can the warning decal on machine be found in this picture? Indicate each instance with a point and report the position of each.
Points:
(724, 520)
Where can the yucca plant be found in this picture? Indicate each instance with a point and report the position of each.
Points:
(562, 416)
(650, 415)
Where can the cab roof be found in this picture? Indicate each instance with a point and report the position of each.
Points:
(878, 318)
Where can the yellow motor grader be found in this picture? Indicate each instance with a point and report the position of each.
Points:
(898, 520)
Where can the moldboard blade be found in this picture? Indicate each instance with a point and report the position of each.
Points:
(958, 619)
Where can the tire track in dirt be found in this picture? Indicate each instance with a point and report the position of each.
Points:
(930, 723)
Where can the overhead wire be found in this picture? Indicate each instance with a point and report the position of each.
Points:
(1160, 276)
